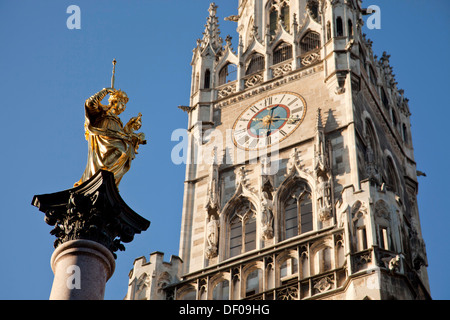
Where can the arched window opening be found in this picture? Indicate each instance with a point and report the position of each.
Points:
(207, 80)
(340, 253)
(371, 149)
(323, 259)
(297, 211)
(236, 287)
(253, 283)
(361, 238)
(242, 234)
(273, 17)
(313, 9)
(328, 30)
(310, 42)
(391, 176)
(304, 260)
(405, 133)
(282, 52)
(255, 64)
(227, 74)
(384, 99)
(250, 233)
(383, 238)
(235, 237)
(394, 118)
(339, 27)
(288, 270)
(202, 293)
(285, 17)
(362, 56)
(189, 295)
(372, 75)
(270, 277)
(350, 28)
(221, 291)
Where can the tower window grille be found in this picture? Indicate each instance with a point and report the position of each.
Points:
(227, 74)
(255, 64)
(282, 53)
(310, 42)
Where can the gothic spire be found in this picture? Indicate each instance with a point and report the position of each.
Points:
(211, 36)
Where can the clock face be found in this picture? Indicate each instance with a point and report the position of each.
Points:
(269, 121)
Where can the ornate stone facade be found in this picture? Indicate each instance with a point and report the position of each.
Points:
(330, 212)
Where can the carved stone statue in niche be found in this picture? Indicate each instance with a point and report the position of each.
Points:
(324, 198)
(212, 237)
(293, 161)
(212, 201)
(266, 216)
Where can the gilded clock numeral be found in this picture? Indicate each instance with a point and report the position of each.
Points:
(268, 101)
(283, 133)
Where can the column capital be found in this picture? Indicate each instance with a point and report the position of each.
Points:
(92, 211)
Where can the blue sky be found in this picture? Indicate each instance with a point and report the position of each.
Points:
(47, 71)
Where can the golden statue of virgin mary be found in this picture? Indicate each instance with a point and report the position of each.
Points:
(112, 146)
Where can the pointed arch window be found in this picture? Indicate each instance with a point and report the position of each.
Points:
(384, 99)
(372, 75)
(405, 133)
(288, 270)
(207, 80)
(253, 284)
(285, 17)
(242, 235)
(372, 153)
(339, 27)
(328, 30)
(273, 17)
(221, 291)
(313, 9)
(282, 52)
(297, 211)
(350, 28)
(310, 42)
(391, 175)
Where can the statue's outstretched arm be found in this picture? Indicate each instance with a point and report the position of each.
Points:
(95, 100)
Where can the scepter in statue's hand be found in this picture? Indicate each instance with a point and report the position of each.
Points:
(113, 78)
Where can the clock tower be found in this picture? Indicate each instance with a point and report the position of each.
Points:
(300, 179)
